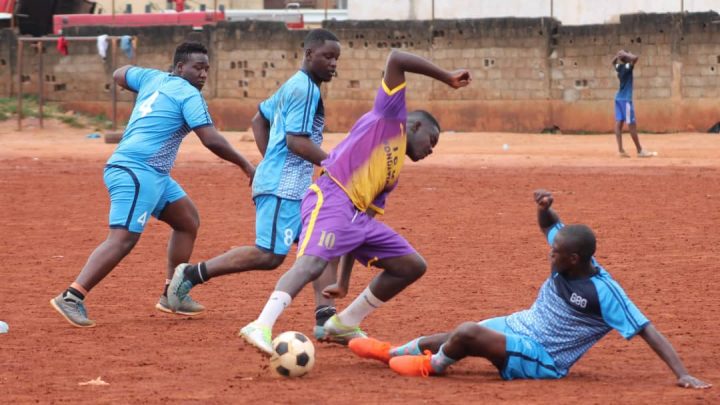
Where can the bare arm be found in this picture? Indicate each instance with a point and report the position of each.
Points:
(399, 62)
(547, 218)
(261, 132)
(666, 352)
(340, 289)
(218, 145)
(305, 148)
(119, 77)
(628, 57)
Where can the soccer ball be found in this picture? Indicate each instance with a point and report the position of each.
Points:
(294, 354)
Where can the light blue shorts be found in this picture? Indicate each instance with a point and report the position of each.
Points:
(135, 194)
(277, 223)
(526, 358)
(624, 111)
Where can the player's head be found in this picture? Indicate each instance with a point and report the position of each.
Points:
(322, 51)
(191, 63)
(573, 247)
(423, 133)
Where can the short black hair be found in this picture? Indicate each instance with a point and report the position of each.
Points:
(184, 50)
(318, 37)
(423, 115)
(579, 239)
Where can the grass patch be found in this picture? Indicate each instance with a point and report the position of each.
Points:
(30, 108)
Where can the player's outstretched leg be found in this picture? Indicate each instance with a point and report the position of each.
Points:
(305, 270)
(469, 339)
(398, 273)
(70, 303)
(370, 348)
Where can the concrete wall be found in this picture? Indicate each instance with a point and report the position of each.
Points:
(529, 74)
(568, 12)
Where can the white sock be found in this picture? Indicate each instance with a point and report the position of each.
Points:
(277, 303)
(363, 306)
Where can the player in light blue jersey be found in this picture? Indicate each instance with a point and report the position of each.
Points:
(624, 63)
(137, 175)
(288, 131)
(576, 306)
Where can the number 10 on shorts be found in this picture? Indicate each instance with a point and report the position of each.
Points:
(327, 240)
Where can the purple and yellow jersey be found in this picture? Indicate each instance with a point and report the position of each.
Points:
(367, 163)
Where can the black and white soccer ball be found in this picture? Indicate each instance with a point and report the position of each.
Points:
(294, 354)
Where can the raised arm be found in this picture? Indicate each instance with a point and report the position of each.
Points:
(218, 145)
(261, 132)
(119, 77)
(399, 62)
(666, 352)
(627, 57)
(547, 218)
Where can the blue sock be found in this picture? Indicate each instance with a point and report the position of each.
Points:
(440, 361)
(410, 348)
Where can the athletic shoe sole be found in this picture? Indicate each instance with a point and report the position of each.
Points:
(170, 311)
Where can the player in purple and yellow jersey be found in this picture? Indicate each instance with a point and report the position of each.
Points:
(339, 209)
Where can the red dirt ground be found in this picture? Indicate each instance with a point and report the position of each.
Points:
(467, 209)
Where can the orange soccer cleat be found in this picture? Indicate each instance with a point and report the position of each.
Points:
(413, 366)
(369, 348)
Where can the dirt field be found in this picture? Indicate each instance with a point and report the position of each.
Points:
(467, 209)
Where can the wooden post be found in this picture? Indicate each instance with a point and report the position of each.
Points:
(113, 86)
(41, 83)
(20, 92)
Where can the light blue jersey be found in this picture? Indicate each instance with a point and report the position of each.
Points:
(294, 109)
(167, 108)
(570, 316)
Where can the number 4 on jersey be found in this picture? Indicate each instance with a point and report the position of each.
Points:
(146, 107)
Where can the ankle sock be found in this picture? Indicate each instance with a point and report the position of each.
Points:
(363, 306)
(277, 303)
(411, 348)
(440, 361)
(197, 273)
(323, 313)
(72, 294)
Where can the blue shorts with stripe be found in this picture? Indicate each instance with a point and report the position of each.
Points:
(624, 111)
(135, 194)
(526, 358)
(277, 223)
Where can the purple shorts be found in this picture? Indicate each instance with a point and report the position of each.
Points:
(333, 227)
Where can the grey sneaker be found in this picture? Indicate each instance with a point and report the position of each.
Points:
(258, 336)
(188, 306)
(73, 311)
(179, 288)
(336, 332)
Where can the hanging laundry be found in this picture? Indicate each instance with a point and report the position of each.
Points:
(126, 45)
(102, 45)
(62, 45)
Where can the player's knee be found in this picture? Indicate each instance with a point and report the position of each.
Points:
(467, 332)
(125, 245)
(418, 268)
(270, 261)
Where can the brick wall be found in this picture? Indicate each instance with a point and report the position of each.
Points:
(529, 74)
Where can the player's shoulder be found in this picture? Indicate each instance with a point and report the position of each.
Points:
(301, 86)
(606, 285)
